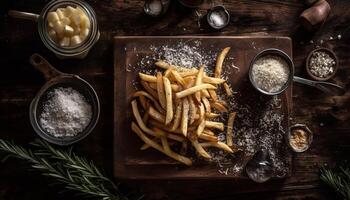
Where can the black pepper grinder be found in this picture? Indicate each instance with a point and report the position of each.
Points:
(156, 8)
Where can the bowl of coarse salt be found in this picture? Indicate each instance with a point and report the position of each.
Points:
(321, 64)
(66, 109)
(271, 71)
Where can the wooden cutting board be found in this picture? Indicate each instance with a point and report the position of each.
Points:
(132, 163)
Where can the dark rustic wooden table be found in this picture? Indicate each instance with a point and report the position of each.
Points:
(327, 116)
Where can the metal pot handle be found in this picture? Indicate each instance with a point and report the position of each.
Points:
(23, 15)
(44, 67)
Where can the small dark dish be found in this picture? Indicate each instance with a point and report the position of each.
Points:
(218, 10)
(54, 80)
(309, 139)
(331, 54)
(275, 52)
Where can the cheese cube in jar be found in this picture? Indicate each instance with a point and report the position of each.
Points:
(68, 26)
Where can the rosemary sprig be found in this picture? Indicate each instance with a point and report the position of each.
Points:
(339, 180)
(74, 172)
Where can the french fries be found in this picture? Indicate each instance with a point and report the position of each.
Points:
(228, 89)
(229, 133)
(220, 61)
(216, 125)
(169, 101)
(177, 109)
(193, 110)
(177, 118)
(198, 82)
(155, 145)
(219, 107)
(160, 90)
(193, 90)
(184, 119)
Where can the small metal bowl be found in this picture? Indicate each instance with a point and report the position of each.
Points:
(280, 54)
(218, 9)
(331, 54)
(309, 139)
(57, 79)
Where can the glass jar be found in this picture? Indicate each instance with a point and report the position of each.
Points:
(77, 51)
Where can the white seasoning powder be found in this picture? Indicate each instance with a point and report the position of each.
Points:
(66, 113)
(218, 19)
(270, 73)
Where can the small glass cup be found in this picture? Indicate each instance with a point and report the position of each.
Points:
(77, 51)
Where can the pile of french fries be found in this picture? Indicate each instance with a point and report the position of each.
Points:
(179, 107)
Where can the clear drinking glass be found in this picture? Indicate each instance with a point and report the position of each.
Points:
(77, 51)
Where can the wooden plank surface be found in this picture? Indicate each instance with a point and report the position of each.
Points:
(19, 82)
(129, 51)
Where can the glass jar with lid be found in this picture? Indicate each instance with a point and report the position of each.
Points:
(62, 49)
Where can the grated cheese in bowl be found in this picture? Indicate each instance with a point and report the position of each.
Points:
(270, 73)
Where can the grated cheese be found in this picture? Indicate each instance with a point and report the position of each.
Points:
(270, 73)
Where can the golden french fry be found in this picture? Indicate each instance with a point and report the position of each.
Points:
(208, 132)
(149, 90)
(162, 133)
(177, 117)
(213, 95)
(138, 118)
(219, 145)
(200, 149)
(162, 64)
(144, 128)
(211, 80)
(219, 62)
(207, 137)
(205, 93)
(167, 72)
(189, 82)
(200, 128)
(177, 77)
(224, 103)
(193, 110)
(193, 90)
(189, 72)
(148, 78)
(167, 128)
(198, 82)
(201, 111)
(211, 115)
(184, 119)
(216, 125)
(160, 90)
(153, 144)
(156, 115)
(175, 88)
(144, 102)
(229, 133)
(206, 104)
(156, 104)
(165, 65)
(228, 90)
(219, 107)
(145, 117)
(169, 101)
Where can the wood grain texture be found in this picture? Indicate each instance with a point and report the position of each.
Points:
(19, 83)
